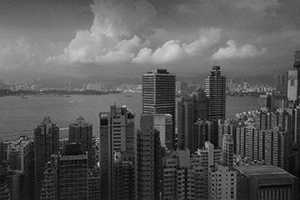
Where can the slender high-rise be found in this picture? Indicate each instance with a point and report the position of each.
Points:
(117, 135)
(82, 132)
(46, 143)
(159, 87)
(215, 89)
(148, 164)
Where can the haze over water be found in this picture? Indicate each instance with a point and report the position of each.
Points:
(18, 114)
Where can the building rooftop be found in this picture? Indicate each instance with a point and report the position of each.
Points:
(265, 173)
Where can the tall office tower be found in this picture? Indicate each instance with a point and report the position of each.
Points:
(159, 87)
(189, 109)
(183, 176)
(117, 135)
(46, 143)
(281, 84)
(20, 157)
(215, 89)
(266, 182)
(82, 132)
(209, 156)
(148, 163)
(72, 174)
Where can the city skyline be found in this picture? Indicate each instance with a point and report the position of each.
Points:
(218, 158)
(117, 38)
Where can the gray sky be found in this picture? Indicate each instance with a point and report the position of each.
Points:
(128, 37)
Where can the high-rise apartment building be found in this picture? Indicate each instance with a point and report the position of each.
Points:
(273, 145)
(82, 132)
(222, 178)
(227, 150)
(117, 133)
(159, 87)
(209, 156)
(46, 143)
(148, 163)
(183, 176)
(189, 109)
(215, 89)
(228, 126)
(20, 157)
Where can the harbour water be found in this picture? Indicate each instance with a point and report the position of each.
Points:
(19, 116)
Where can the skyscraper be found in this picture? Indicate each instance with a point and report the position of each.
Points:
(159, 87)
(72, 174)
(148, 164)
(189, 109)
(117, 134)
(82, 132)
(215, 89)
(297, 67)
(46, 143)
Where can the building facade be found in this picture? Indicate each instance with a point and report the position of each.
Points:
(82, 133)
(158, 95)
(46, 143)
(148, 163)
(117, 134)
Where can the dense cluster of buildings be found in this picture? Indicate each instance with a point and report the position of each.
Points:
(184, 149)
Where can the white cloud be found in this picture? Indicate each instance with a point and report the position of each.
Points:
(119, 34)
(232, 51)
(173, 49)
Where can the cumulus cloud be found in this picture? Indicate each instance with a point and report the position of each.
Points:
(117, 33)
(173, 49)
(232, 51)
(121, 32)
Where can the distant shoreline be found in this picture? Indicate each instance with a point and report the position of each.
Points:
(6, 92)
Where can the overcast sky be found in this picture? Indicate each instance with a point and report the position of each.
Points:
(128, 37)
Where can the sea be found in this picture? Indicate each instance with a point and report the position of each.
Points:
(19, 115)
